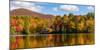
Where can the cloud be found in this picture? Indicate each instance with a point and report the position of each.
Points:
(69, 8)
(90, 8)
(55, 9)
(25, 5)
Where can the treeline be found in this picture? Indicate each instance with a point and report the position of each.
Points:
(58, 24)
(74, 23)
(27, 25)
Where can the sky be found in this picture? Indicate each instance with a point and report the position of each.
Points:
(52, 8)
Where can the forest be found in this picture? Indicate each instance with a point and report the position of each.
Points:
(34, 32)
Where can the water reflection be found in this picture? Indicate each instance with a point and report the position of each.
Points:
(48, 40)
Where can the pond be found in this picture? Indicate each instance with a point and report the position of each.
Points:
(50, 40)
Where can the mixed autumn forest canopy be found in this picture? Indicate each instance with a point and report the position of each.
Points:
(52, 31)
(53, 25)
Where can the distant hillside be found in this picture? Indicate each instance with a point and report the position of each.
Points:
(26, 12)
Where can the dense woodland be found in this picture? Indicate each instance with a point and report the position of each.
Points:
(55, 31)
(57, 24)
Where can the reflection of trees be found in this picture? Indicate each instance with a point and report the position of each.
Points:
(66, 24)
